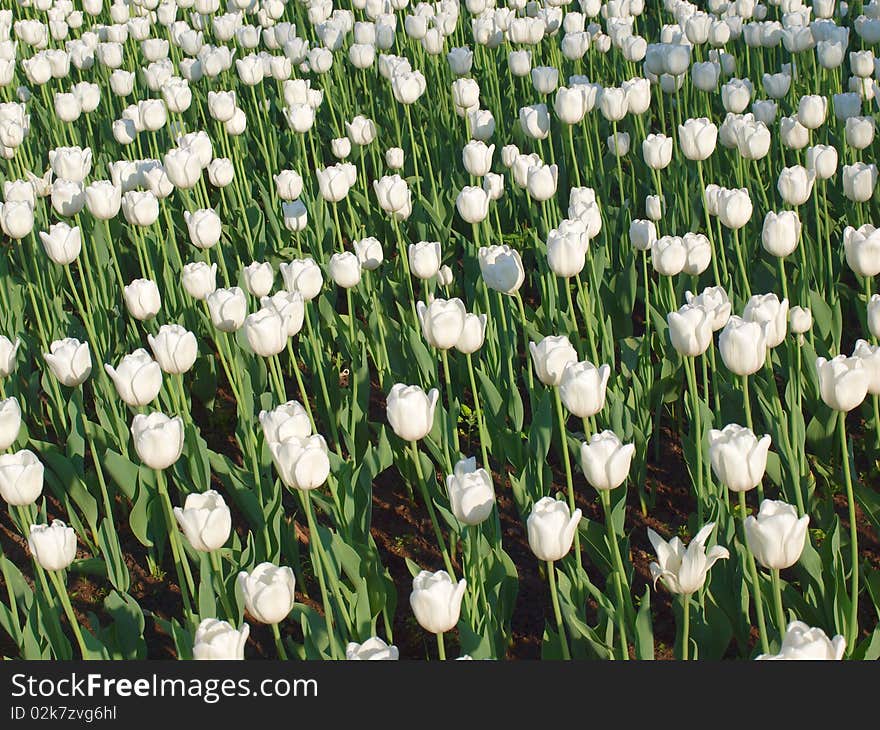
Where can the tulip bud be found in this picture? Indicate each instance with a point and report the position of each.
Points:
(217, 639)
(795, 184)
(21, 478)
(394, 158)
(410, 411)
(345, 269)
(874, 315)
(550, 358)
(605, 460)
(138, 378)
(501, 268)
(158, 439)
(436, 601)
(204, 227)
(690, 330)
(471, 494)
(267, 592)
(473, 334)
(258, 278)
(69, 360)
(442, 322)
(52, 546)
(776, 537)
(551, 527)
(803, 643)
(424, 259)
(265, 331)
(800, 320)
(302, 463)
(582, 388)
(205, 520)
(372, 649)
(228, 308)
(781, 232)
(199, 279)
(369, 253)
(843, 382)
(303, 276)
(714, 300)
(743, 346)
(767, 310)
(174, 347)
(738, 457)
(142, 299)
(285, 422)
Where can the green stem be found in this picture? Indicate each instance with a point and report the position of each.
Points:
(279, 645)
(423, 488)
(441, 647)
(753, 572)
(551, 573)
(61, 589)
(686, 627)
(853, 627)
(777, 601)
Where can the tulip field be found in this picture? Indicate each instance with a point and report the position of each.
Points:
(496, 329)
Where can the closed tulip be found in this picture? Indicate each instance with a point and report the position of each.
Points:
(258, 278)
(473, 334)
(472, 204)
(345, 269)
(266, 331)
(550, 527)
(410, 411)
(668, 255)
(52, 546)
(698, 253)
(204, 227)
(859, 181)
(183, 167)
(424, 259)
(776, 537)
(8, 351)
(550, 357)
(69, 360)
(605, 460)
(567, 248)
(17, 216)
(10, 422)
(142, 299)
(781, 232)
(158, 439)
(369, 253)
(228, 308)
(743, 346)
(697, 138)
(436, 601)
(140, 207)
(535, 121)
(62, 243)
(394, 196)
(303, 276)
(684, 570)
(822, 159)
(738, 457)
(442, 322)
(843, 382)
(199, 279)
(795, 184)
(138, 378)
(657, 151)
(21, 478)
(767, 310)
(103, 199)
(582, 388)
(205, 520)
(812, 110)
(175, 348)
(541, 181)
(861, 247)
(734, 208)
(471, 494)
(267, 592)
(302, 463)
(501, 268)
(690, 330)
(870, 357)
(803, 643)
(373, 649)
(287, 421)
(216, 639)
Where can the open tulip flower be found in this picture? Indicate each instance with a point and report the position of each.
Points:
(293, 293)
